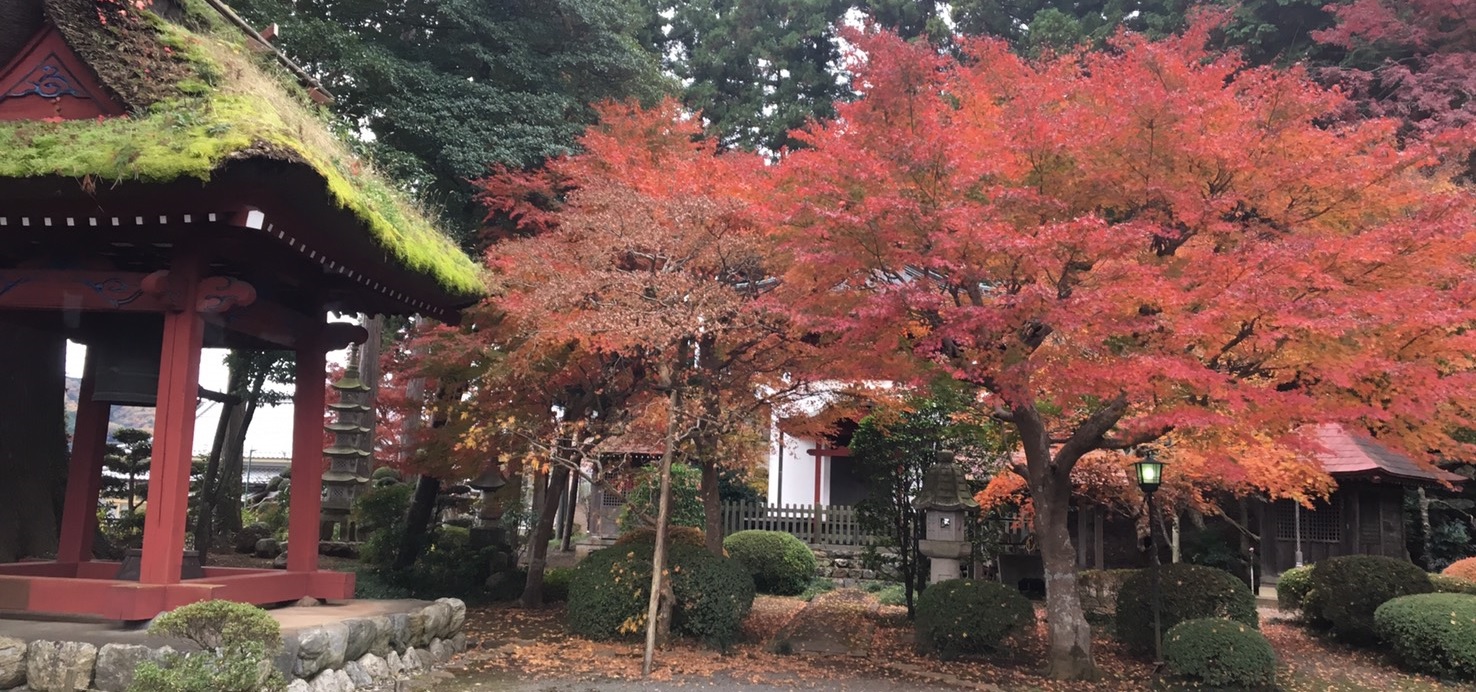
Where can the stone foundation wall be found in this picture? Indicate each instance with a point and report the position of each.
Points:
(845, 566)
(351, 655)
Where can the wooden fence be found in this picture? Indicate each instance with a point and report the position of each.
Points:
(832, 525)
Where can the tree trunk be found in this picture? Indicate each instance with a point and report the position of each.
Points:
(417, 521)
(712, 506)
(33, 440)
(1069, 635)
(552, 493)
(572, 504)
(227, 498)
(657, 624)
(1422, 502)
(210, 485)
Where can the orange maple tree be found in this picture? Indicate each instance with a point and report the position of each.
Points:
(1121, 245)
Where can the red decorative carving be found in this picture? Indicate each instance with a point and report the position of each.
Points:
(218, 294)
(47, 80)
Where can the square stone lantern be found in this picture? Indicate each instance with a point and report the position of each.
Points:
(945, 503)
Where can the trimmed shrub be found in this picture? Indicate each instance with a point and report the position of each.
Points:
(1432, 633)
(1444, 583)
(238, 641)
(556, 584)
(1292, 589)
(1462, 569)
(641, 502)
(780, 563)
(1346, 591)
(610, 589)
(1098, 589)
(1188, 592)
(675, 535)
(1220, 654)
(969, 616)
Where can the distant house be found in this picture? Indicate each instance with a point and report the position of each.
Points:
(1364, 516)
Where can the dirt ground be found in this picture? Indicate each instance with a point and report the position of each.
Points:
(529, 651)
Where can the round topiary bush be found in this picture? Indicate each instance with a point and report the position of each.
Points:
(1462, 569)
(1220, 654)
(1347, 590)
(969, 616)
(1291, 590)
(675, 535)
(780, 563)
(1188, 592)
(610, 589)
(1432, 633)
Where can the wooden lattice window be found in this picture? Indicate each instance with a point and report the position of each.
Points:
(612, 499)
(1321, 524)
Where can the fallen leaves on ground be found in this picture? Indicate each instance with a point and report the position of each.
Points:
(1312, 662)
(534, 645)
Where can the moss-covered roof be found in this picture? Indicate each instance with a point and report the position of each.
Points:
(200, 98)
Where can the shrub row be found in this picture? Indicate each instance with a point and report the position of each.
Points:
(1432, 633)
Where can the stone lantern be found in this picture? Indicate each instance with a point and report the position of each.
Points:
(488, 528)
(945, 503)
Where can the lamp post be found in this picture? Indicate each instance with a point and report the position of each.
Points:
(1149, 473)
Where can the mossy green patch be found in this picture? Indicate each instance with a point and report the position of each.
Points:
(230, 107)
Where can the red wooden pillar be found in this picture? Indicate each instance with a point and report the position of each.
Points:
(174, 431)
(305, 507)
(84, 474)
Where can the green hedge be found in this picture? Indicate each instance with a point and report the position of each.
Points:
(1432, 633)
(1346, 590)
(610, 590)
(1098, 589)
(1292, 589)
(1444, 583)
(780, 563)
(1189, 592)
(968, 616)
(1220, 654)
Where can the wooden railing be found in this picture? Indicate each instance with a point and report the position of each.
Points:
(833, 525)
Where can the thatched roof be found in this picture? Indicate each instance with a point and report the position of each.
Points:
(199, 100)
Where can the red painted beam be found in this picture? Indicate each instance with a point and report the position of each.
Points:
(128, 600)
(831, 452)
(57, 289)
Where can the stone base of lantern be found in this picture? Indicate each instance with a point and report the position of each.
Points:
(944, 569)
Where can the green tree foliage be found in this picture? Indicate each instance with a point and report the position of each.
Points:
(892, 449)
(443, 90)
(127, 457)
(641, 501)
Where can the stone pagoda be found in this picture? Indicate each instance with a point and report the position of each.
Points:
(348, 457)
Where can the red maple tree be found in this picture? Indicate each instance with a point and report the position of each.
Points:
(1123, 245)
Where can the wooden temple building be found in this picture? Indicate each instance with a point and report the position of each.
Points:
(165, 187)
